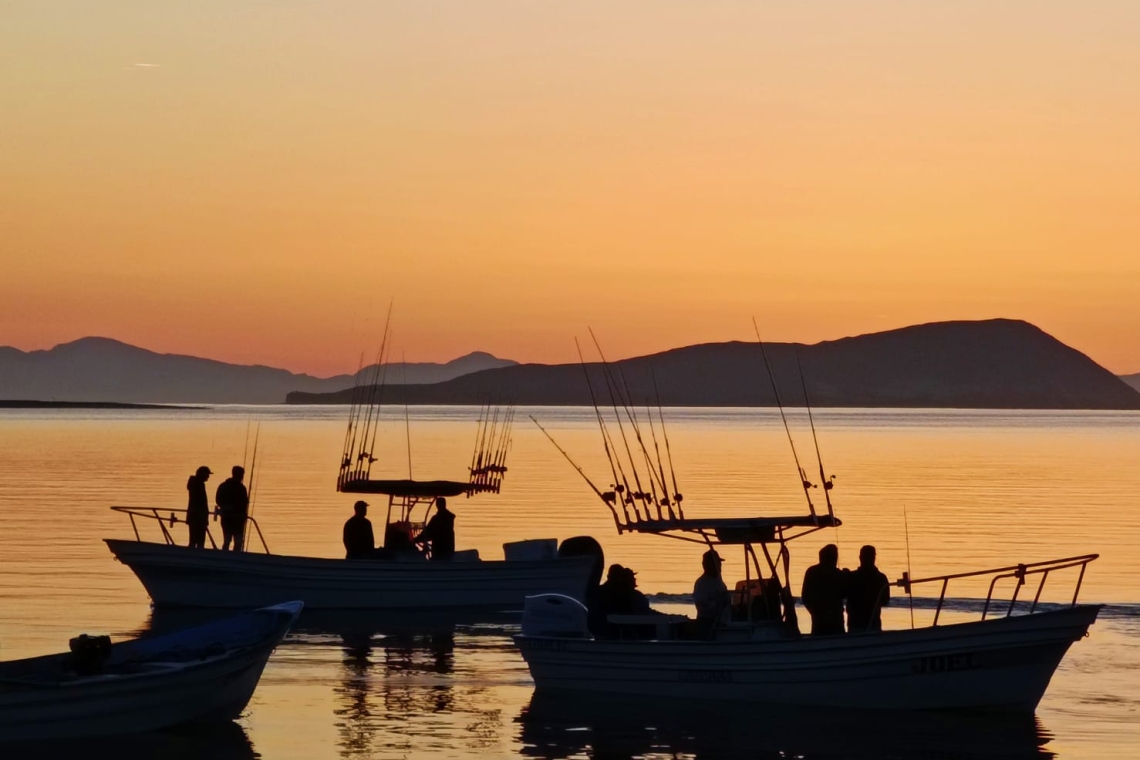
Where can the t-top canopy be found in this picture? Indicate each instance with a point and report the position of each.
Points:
(737, 530)
(409, 488)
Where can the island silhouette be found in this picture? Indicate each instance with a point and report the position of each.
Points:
(997, 363)
(988, 364)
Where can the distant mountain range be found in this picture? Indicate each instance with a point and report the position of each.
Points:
(105, 370)
(999, 364)
(988, 364)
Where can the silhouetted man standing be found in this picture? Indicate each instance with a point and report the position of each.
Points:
(710, 595)
(440, 532)
(233, 502)
(823, 591)
(359, 543)
(868, 591)
(198, 507)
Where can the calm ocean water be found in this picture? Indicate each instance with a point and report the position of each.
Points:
(980, 489)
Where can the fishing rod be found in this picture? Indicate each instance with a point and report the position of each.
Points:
(677, 497)
(367, 394)
(503, 441)
(252, 484)
(475, 448)
(626, 398)
(826, 482)
(909, 593)
(349, 437)
(367, 401)
(608, 501)
(661, 468)
(360, 392)
(499, 465)
(807, 485)
(620, 485)
(245, 449)
(483, 456)
(373, 417)
(631, 413)
(640, 493)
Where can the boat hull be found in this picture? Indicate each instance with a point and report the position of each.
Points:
(211, 685)
(177, 576)
(998, 664)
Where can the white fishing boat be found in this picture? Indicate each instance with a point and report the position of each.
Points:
(396, 577)
(179, 576)
(204, 674)
(756, 654)
(997, 663)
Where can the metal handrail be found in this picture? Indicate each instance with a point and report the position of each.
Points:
(169, 518)
(1019, 571)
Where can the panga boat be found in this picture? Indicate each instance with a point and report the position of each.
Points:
(178, 576)
(1002, 661)
(204, 674)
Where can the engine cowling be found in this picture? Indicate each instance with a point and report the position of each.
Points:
(555, 615)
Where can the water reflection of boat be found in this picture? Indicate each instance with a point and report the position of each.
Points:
(324, 627)
(203, 674)
(755, 652)
(395, 677)
(399, 677)
(554, 727)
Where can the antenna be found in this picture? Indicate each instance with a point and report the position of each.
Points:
(407, 422)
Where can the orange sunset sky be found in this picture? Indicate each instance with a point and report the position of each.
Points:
(254, 180)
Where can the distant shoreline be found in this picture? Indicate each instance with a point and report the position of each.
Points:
(22, 404)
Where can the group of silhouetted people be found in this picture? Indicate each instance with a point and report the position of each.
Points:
(617, 596)
(827, 592)
(826, 588)
(232, 507)
(437, 537)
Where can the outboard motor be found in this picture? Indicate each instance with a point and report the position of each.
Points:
(88, 653)
(554, 615)
(586, 546)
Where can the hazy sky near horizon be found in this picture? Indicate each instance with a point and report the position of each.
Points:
(255, 180)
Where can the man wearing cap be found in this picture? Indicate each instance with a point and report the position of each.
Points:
(198, 507)
(710, 595)
(359, 543)
(233, 502)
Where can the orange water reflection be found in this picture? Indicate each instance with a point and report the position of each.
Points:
(980, 488)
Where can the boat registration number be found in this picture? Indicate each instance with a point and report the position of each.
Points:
(946, 663)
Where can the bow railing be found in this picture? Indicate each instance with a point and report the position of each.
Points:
(168, 518)
(1019, 572)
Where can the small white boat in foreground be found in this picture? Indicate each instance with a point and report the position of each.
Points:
(204, 674)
